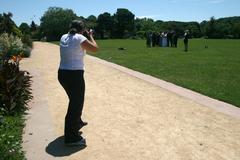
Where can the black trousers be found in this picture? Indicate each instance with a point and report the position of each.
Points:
(73, 83)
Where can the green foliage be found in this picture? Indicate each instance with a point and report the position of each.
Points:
(15, 91)
(149, 25)
(16, 32)
(26, 52)
(10, 45)
(10, 137)
(6, 23)
(210, 67)
(25, 29)
(33, 26)
(104, 25)
(236, 30)
(13, 45)
(27, 41)
(37, 34)
(145, 24)
(123, 23)
(221, 28)
(55, 22)
(91, 22)
(141, 34)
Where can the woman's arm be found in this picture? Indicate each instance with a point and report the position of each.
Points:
(90, 45)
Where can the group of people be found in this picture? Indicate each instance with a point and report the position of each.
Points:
(165, 39)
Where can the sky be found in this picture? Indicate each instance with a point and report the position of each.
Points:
(166, 10)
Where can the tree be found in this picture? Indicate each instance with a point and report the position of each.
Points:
(195, 29)
(91, 22)
(55, 22)
(33, 26)
(211, 28)
(25, 29)
(145, 24)
(124, 23)
(105, 25)
(6, 23)
(236, 30)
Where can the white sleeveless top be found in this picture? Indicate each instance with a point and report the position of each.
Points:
(71, 52)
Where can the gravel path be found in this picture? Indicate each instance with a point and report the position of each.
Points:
(128, 118)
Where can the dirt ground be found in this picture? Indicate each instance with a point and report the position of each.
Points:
(128, 118)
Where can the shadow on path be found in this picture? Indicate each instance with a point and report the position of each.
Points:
(57, 148)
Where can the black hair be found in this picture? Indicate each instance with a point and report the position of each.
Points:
(76, 26)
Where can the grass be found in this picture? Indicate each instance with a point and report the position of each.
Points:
(11, 128)
(210, 67)
(213, 70)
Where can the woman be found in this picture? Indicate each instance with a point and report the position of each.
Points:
(73, 46)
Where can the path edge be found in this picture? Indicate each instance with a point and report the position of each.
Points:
(215, 104)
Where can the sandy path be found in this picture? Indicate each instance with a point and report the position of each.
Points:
(129, 118)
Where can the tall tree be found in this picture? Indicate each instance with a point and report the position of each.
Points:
(211, 28)
(55, 22)
(6, 23)
(33, 26)
(105, 25)
(124, 23)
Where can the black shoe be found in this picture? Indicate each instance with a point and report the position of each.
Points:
(82, 124)
(81, 142)
(80, 133)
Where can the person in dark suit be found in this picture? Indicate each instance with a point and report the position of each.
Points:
(175, 39)
(169, 39)
(185, 40)
(149, 39)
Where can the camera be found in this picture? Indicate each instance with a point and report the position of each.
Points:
(87, 32)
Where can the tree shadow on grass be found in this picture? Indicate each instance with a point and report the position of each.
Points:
(57, 148)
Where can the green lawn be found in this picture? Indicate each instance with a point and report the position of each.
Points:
(213, 71)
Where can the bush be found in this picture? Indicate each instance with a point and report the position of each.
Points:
(26, 52)
(13, 46)
(10, 45)
(27, 41)
(15, 91)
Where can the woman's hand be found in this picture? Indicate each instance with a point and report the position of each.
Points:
(90, 45)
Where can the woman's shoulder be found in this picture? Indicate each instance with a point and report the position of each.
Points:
(64, 36)
(80, 37)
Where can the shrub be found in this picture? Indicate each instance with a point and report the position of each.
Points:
(10, 45)
(27, 41)
(26, 52)
(15, 91)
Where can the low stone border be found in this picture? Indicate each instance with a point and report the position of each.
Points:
(197, 97)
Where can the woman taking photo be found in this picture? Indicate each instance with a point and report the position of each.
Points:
(73, 47)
